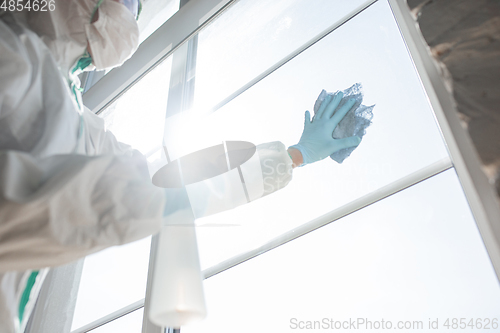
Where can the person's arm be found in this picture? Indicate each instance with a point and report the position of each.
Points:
(316, 143)
(58, 208)
(296, 157)
(62, 208)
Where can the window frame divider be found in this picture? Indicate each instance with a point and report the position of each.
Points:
(336, 214)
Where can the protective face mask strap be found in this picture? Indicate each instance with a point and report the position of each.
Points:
(25, 297)
(95, 10)
(82, 63)
(139, 10)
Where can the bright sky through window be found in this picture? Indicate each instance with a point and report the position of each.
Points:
(111, 280)
(403, 138)
(249, 38)
(410, 257)
(252, 36)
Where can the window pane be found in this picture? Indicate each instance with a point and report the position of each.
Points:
(137, 118)
(111, 280)
(413, 256)
(131, 323)
(252, 35)
(402, 139)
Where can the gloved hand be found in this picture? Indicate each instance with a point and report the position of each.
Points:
(317, 142)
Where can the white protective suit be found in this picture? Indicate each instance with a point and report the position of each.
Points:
(68, 188)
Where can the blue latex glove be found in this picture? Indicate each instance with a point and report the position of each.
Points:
(317, 142)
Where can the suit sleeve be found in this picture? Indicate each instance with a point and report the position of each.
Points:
(57, 205)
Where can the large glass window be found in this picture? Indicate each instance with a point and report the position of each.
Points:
(414, 257)
(402, 139)
(249, 76)
(252, 36)
(111, 280)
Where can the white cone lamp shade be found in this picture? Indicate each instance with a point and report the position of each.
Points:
(177, 296)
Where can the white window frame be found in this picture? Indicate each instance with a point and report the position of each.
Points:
(177, 30)
(196, 14)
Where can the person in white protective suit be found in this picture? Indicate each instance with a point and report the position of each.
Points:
(68, 188)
